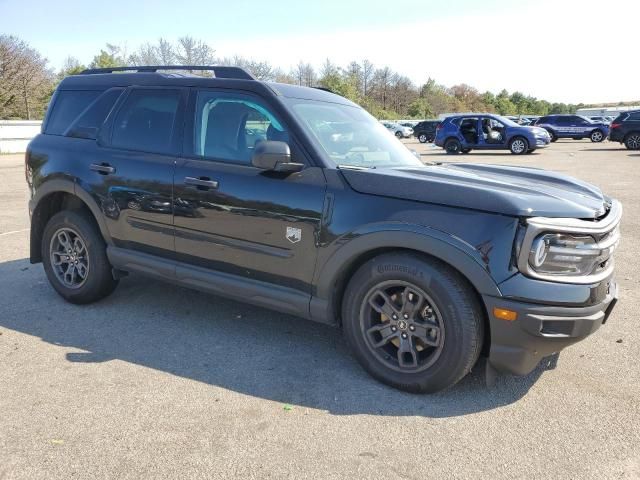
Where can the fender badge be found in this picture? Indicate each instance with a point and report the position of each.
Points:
(294, 235)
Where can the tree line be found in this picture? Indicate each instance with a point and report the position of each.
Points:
(27, 82)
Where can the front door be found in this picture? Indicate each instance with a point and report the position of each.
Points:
(232, 217)
(133, 166)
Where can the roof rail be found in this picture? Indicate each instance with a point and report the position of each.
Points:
(218, 71)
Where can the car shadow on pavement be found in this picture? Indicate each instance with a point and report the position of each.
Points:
(229, 345)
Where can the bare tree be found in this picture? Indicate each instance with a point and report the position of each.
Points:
(368, 71)
(304, 74)
(25, 81)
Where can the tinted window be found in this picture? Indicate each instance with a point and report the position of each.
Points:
(145, 120)
(67, 106)
(89, 121)
(562, 120)
(228, 126)
(634, 117)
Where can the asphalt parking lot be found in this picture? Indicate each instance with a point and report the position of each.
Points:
(159, 381)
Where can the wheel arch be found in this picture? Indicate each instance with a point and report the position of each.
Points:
(339, 269)
(52, 197)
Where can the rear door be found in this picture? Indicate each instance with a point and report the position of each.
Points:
(132, 168)
(232, 217)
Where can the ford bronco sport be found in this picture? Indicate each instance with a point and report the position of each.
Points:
(296, 199)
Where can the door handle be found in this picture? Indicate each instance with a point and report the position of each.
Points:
(204, 183)
(102, 169)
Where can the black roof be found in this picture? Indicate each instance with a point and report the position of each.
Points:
(226, 77)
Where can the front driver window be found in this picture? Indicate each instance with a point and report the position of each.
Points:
(227, 127)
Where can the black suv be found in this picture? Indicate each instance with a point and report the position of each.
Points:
(298, 200)
(626, 129)
(425, 131)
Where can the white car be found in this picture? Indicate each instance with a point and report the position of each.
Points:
(398, 130)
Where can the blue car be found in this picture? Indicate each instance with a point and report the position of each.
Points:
(573, 126)
(463, 133)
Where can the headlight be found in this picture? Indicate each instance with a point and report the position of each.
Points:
(561, 254)
(569, 250)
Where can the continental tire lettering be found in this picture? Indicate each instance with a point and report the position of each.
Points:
(399, 268)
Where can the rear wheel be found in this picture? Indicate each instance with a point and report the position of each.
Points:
(412, 322)
(518, 145)
(453, 146)
(597, 136)
(75, 259)
(422, 138)
(632, 141)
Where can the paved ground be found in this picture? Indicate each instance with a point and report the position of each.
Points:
(158, 381)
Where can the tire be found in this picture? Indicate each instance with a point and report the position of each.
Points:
(465, 150)
(422, 138)
(518, 145)
(399, 134)
(597, 136)
(449, 316)
(632, 141)
(453, 146)
(554, 137)
(90, 255)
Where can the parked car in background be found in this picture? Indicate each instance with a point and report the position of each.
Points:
(573, 126)
(606, 120)
(463, 133)
(398, 130)
(626, 129)
(425, 131)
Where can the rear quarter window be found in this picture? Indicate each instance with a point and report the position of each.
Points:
(91, 119)
(67, 105)
(633, 117)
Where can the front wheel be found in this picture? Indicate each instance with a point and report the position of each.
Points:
(632, 142)
(412, 322)
(597, 136)
(553, 136)
(453, 146)
(422, 138)
(75, 259)
(399, 134)
(518, 145)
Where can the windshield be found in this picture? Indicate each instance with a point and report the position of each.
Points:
(350, 136)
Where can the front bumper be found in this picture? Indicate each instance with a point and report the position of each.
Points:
(541, 330)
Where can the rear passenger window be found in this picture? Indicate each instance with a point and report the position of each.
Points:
(145, 121)
(67, 106)
(90, 121)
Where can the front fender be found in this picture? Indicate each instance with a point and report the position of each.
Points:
(352, 246)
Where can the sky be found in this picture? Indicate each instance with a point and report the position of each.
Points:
(568, 51)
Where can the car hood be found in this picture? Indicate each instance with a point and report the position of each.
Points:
(516, 191)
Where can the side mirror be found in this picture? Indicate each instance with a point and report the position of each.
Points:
(274, 156)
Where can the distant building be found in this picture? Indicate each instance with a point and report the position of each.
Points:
(604, 111)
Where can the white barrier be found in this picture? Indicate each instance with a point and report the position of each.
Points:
(16, 134)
